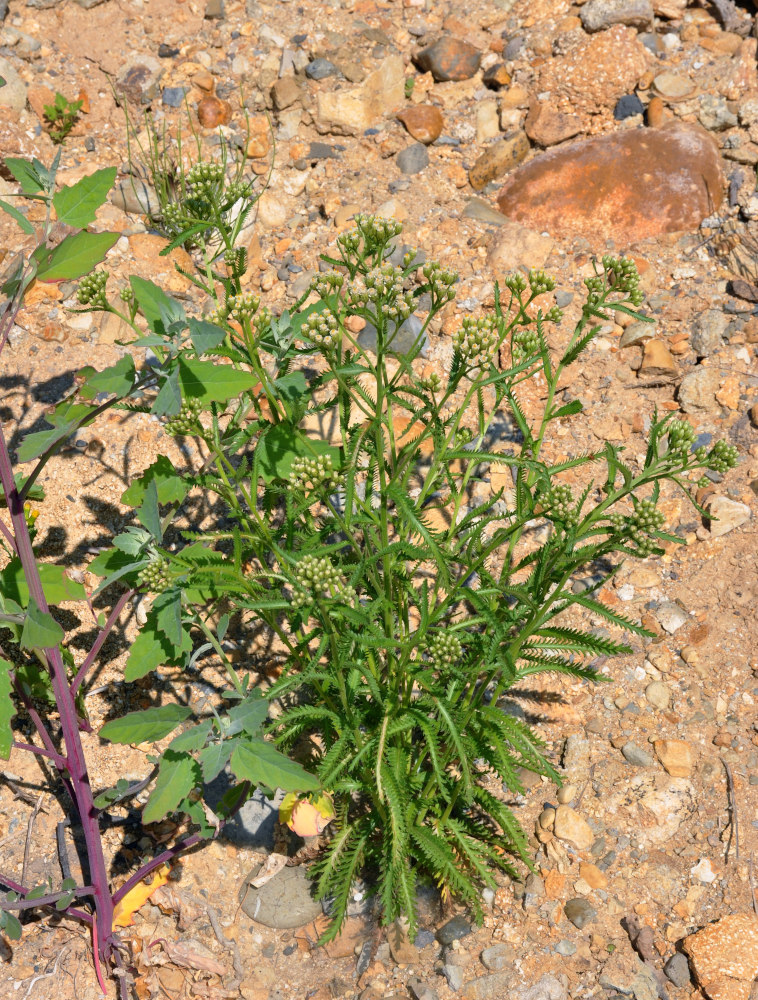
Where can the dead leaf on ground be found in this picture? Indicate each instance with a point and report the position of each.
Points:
(191, 954)
(172, 900)
(270, 867)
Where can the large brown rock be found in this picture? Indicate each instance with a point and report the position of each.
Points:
(724, 956)
(627, 186)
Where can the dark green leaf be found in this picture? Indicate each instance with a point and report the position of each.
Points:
(118, 380)
(280, 445)
(10, 924)
(20, 218)
(56, 584)
(28, 174)
(171, 486)
(211, 382)
(65, 420)
(7, 710)
(155, 304)
(191, 739)
(249, 715)
(205, 336)
(214, 757)
(262, 764)
(168, 402)
(77, 205)
(575, 406)
(148, 514)
(153, 649)
(168, 609)
(41, 630)
(75, 256)
(177, 776)
(147, 726)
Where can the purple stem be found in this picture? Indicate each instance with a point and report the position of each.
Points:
(76, 764)
(58, 759)
(15, 886)
(48, 900)
(97, 645)
(163, 858)
(8, 535)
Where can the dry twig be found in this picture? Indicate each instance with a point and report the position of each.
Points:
(29, 832)
(735, 826)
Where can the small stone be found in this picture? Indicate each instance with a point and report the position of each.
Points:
(673, 86)
(571, 828)
(580, 912)
(320, 69)
(636, 755)
(496, 77)
(283, 902)
(423, 939)
(173, 97)
(423, 121)
(597, 15)
(212, 112)
(491, 987)
(454, 975)
(714, 113)
(285, 92)
(453, 930)
(476, 208)
(498, 159)
(592, 875)
(487, 121)
(214, 10)
(636, 333)
(670, 616)
(726, 515)
(655, 114)
(627, 107)
(546, 126)
(518, 246)
(135, 196)
(422, 991)
(675, 756)
(657, 361)
(709, 332)
(139, 79)
(413, 159)
(13, 94)
(704, 872)
(546, 818)
(498, 956)
(449, 59)
(697, 390)
(677, 970)
(724, 956)
(565, 948)
(359, 108)
(402, 949)
(658, 695)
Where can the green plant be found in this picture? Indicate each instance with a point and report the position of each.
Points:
(399, 634)
(61, 117)
(40, 680)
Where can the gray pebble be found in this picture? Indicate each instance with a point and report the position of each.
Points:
(453, 930)
(320, 69)
(709, 332)
(454, 976)
(579, 912)
(565, 948)
(677, 969)
(413, 159)
(423, 939)
(636, 755)
(173, 97)
(498, 956)
(563, 299)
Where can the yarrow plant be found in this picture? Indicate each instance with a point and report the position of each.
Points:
(403, 601)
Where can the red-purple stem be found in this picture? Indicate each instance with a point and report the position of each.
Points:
(97, 645)
(58, 759)
(8, 535)
(48, 900)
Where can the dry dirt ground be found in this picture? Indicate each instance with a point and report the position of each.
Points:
(674, 852)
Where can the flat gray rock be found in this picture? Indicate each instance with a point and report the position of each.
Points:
(284, 902)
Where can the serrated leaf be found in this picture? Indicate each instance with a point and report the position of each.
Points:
(171, 487)
(191, 739)
(147, 726)
(75, 256)
(177, 776)
(250, 715)
(118, 380)
(575, 406)
(7, 710)
(168, 611)
(65, 420)
(41, 630)
(56, 584)
(19, 217)
(155, 304)
(77, 205)
(214, 757)
(204, 335)
(262, 764)
(28, 174)
(152, 649)
(148, 513)
(168, 402)
(210, 382)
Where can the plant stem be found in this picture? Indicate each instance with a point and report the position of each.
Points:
(97, 645)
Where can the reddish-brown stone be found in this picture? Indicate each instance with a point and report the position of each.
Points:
(212, 112)
(424, 122)
(449, 59)
(547, 127)
(627, 186)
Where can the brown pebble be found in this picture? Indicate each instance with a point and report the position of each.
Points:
(424, 122)
(497, 76)
(657, 360)
(212, 112)
(656, 113)
(498, 159)
(722, 739)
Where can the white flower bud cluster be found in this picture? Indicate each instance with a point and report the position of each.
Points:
(476, 339)
(445, 649)
(440, 281)
(186, 421)
(204, 178)
(322, 329)
(328, 283)
(383, 288)
(539, 282)
(309, 474)
(242, 306)
(91, 291)
(316, 578)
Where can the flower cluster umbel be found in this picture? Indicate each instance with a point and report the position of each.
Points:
(317, 579)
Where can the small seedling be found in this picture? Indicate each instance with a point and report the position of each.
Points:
(61, 116)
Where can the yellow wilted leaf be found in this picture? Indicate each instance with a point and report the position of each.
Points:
(124, 910)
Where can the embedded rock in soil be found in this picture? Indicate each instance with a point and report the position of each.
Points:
(657, 361)
(677, 970)
(547, 127)
(698, 390)
(675, 756)
(627, 186)
(580, 912)
(597, 15)
(413, 159)
(212, 112)
(453, 930)
(13, 94)
(449, 59)
(709, 332)
(627, 975)
(724, 956)
(726, 514)
(636, 755)
(571, 828)
(516, 247)
(424, 122)
(498, 956)
(498, 159)
(138, 81)
(363, 106)
(283, 902)
(598, 72)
